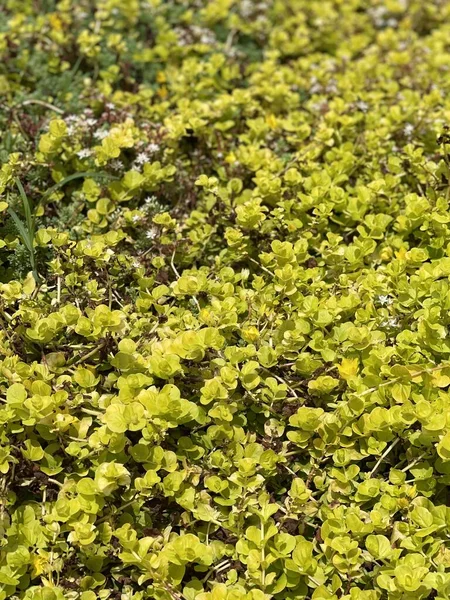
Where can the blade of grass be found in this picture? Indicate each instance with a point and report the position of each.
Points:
(26, 240)
(26, 208)
(26, 231)
(63, 182)
(21, 229)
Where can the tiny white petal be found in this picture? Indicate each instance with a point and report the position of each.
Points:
(84, 153)
(101, 134)
(142, 158)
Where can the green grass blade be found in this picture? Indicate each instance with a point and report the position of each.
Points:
(22, 230)
(67, 179)
(27, 240)
(26, 208)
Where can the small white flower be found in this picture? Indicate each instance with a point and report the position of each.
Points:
(207, 38)
(384, 300)
(320, 106)
(362, 106)
(246, 8)
(142, 158)
(71, 129)
(101, 134)
(116, 164)
(136, 264)
(90, 122)
(84, 153)
(150, 200)
(377, 12)
(110, 106)
(136, 218)
(153, 148)
(408, 129)
(391, 322)
(331, 88)
(151, 234)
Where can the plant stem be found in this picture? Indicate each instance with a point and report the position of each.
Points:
(383, 456)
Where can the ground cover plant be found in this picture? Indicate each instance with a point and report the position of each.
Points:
(224, 299)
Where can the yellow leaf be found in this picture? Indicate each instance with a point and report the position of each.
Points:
(440, 380)
(401, 254)
(348, 368)
(29, 284)
(46, 144)
(162, 92)
(39, 565)
(58, 128)
(271, 121)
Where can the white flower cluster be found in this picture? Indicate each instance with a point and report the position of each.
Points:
(204, 36)
(408, 129)
(318, 88)
(101, 134)
(362, 106)
(379, 15)
(84, 153)
(151, 202)
(80, 122)
(391, 322)
(116, 164)
(144, 157)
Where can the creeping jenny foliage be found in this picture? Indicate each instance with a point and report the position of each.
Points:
(224, 299)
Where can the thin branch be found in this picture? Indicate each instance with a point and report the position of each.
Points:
(413, 462)
(383, 456)
(281, 380)
(76, 361)
(261, 267)
(40, 103)
(397, 379)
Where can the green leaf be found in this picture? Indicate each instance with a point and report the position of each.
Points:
(378, 546)
(422, 517)
(85, 378)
